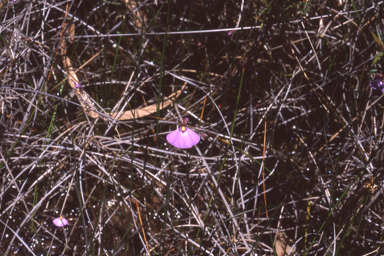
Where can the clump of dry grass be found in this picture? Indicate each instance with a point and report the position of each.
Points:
(291, 152)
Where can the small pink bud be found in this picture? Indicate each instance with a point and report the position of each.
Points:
(78, 86)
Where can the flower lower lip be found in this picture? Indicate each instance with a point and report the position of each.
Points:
(183, 139)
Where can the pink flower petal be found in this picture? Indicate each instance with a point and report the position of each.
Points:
(60, 222)
(186, 139)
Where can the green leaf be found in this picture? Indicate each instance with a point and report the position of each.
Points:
(377, 58)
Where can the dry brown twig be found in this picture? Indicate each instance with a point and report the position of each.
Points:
(87, 102)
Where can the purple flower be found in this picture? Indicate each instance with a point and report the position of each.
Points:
(183, 137)
(78, 86)
(377, 83)
(60, 222)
